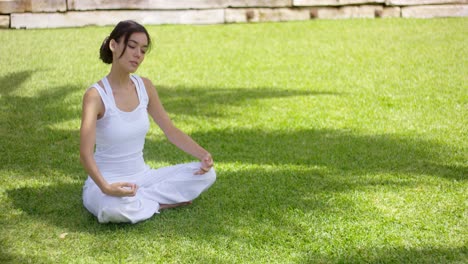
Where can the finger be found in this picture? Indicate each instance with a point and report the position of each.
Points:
(128, 189)
(209, 161)
(131, 186)
(205, 169)
(127, 184)
(129, 192)
(200, 172)
(133, 189)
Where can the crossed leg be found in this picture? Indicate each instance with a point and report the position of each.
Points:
(168, 206)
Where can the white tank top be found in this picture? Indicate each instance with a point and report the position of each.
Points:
(120, 135)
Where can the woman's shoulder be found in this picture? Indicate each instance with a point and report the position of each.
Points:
(147, 84)
(95, 88)
(92, 93)
(146, 81)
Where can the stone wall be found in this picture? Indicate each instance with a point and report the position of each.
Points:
(77, 13)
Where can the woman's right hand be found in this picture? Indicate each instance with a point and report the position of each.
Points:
(121, 189)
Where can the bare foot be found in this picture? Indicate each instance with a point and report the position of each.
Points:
(167, 206)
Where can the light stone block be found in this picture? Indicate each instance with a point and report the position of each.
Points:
(367, 11)
(12, 6)
(47, 5)
(315, 2)
(265, 15)
(105, 18)
(144, 4)
(356, 2)
(394, 11)
(434, 11)
(4, 21)
(423, 2)
(334, 2)
(174, 4)
(258, 3)
(294, 14)
(235, 15)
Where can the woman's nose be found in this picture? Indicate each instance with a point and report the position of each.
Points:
(138, 53)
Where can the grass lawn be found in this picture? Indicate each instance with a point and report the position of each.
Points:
(334, 141)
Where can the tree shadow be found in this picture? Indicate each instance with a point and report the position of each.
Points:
(176, 98)
(59, 204)
(7, 257)
(246, 195)
(250, 196)
(29, 142)
(12, 81)
(396, 255)
(56, 149)
(335, 149)
(258, 200)
(53, 152)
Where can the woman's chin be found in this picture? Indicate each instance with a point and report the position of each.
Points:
(132, 69)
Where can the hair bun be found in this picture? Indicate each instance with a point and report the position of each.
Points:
(105, 53)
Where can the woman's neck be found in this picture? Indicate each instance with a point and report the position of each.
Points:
(118, 78)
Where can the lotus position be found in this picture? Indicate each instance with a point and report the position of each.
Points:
(120, 186)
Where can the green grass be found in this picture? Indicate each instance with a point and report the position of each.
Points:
(334, 142)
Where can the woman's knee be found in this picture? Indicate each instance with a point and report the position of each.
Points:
(112, 215)
(115, 209)
(211, 176)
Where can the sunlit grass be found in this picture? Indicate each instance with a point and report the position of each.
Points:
(334, 141)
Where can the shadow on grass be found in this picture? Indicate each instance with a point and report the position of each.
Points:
(177, 99)
(29, 143)
(59, 204)
(8, 257)
(250, 208)
(397, 255)
(335, 149)
(33, 146)
(11, 82)
(34, 149)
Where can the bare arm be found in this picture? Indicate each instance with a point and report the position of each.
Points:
(173, 134)
(92, 109)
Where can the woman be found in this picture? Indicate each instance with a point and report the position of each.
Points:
(120, 186)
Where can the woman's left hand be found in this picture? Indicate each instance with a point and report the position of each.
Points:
(206, 164)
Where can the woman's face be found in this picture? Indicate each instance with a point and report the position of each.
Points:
(134, 53)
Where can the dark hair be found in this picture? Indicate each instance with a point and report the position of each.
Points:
(122, 29)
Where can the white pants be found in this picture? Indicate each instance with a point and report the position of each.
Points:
(167, 185)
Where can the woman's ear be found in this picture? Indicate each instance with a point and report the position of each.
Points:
(112, 45)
